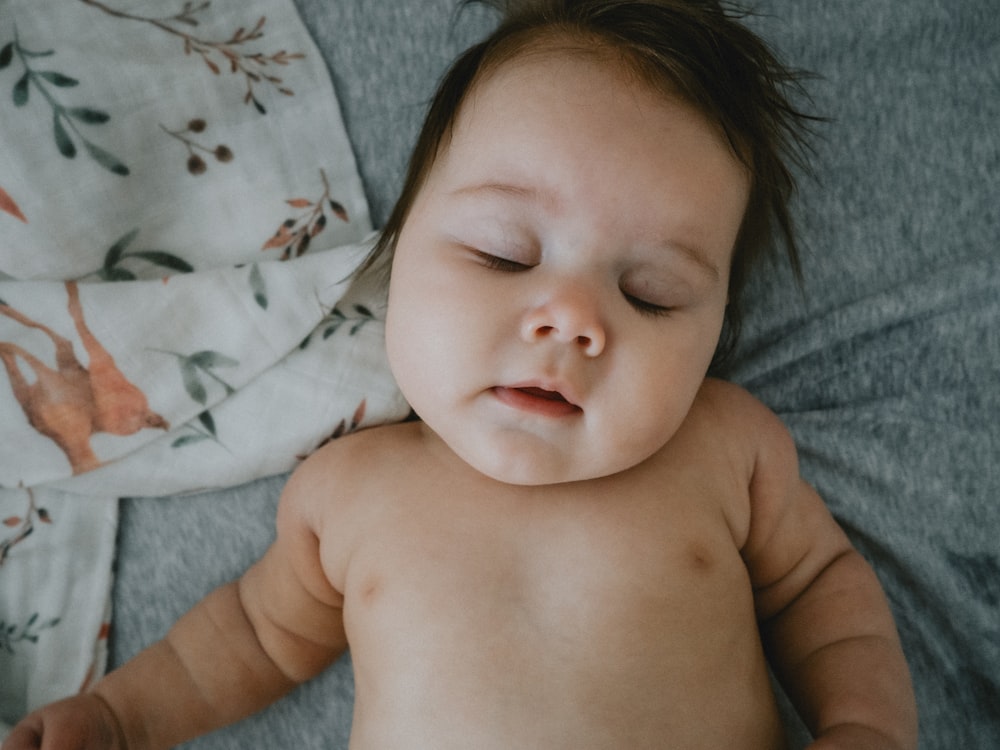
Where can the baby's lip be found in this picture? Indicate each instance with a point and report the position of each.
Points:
(543, 398)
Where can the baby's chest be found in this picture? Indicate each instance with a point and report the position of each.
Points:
(545, 592)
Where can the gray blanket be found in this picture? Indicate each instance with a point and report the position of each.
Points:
(887, 368)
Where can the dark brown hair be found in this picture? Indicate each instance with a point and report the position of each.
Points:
(694, 50)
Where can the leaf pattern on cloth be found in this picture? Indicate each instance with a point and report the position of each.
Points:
(360, 316)
(198, 372)
(7, 205)
(118, 254)
(196, 164)
(218, 56)
(296, 233)
(13, 634)
(25, 526)
(200, 332)
(343, 427)
(66, 120)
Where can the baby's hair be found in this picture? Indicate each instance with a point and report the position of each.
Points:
(696, 51)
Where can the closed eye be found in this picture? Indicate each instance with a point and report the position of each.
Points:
(647, 308)
(497, 263)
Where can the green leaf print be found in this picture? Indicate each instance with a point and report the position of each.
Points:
(65, 119)
(58, 79)
(118, 253)
(192, 382)
(209, 359)
(188, 440)
(21, 90)
(88, 115)
(164, 260)
(63, 141)
(117, 250)
(107, 160)
(258, 286)
(197, 373)
(208, 421)
(197, 370)
(12, 634)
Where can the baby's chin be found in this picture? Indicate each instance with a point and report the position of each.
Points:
(536, 470)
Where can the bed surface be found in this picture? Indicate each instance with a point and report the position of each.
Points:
(886, 369)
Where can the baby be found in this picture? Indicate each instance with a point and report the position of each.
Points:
(584, 542)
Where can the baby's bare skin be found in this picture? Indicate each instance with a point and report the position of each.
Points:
(622, 612)
(605, 614)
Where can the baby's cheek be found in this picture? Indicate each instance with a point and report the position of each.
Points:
(650, 417)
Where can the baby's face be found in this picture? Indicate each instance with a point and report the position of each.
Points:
(559, 286)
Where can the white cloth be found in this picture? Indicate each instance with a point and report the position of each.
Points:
(179, 214)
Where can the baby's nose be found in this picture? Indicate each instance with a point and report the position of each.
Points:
(571, 316)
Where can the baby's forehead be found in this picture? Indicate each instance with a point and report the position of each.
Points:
(549, 47)
(557, 131)
(545, 50)
(515, 73)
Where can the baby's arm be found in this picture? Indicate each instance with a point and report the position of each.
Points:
(825, 621)
(238, 650)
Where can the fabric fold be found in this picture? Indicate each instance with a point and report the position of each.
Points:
(180, 218)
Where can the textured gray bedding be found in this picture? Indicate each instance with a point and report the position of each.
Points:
(887, 369)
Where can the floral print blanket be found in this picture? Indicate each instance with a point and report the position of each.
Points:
(180, 211)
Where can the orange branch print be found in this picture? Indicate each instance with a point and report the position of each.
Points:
(296, 233)
(218, 56)
(26, 526)
(8, 205)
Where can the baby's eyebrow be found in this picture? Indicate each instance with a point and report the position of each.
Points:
(695, 256)
(548, 199)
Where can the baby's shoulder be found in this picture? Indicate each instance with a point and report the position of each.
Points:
(356, 451)
(726, 406)
(758, 431)
(338, 474)
(726, 414)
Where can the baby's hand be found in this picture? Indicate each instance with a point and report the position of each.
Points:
(83, 722)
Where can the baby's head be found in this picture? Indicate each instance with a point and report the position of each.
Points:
(693, 51)
(590, 187)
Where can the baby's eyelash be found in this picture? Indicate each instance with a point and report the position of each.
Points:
(647, 308)
(497, 263)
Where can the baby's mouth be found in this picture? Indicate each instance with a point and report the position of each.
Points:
(537, 400)
(542, 393)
